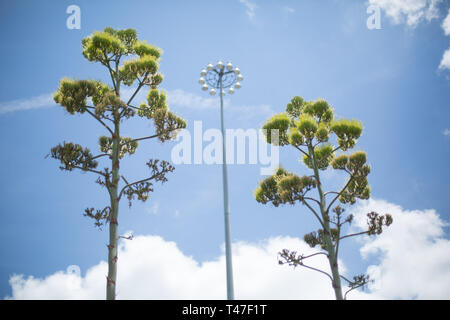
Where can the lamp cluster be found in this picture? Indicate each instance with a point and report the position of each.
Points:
(220, 76)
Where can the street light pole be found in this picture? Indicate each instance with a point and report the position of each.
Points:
(230, 287)
(217, 77)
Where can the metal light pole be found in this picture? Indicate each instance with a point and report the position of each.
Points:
(222, 77)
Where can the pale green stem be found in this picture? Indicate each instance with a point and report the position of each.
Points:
(113, 191)
(113, 222)
(332, 258)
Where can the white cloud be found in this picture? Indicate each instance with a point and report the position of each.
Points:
(414, 255)
(288, 9)
(446, 24)
(167, 273)
(445, 62)
(41, 101)
(250, 8)
(446, 132)
(413, 263)
(181, 98)
(411, 12)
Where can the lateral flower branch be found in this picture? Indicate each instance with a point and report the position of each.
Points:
(309, 127)
(103, 103)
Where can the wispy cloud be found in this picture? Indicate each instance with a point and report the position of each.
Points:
(411, 12)
(288, 9)
(185, 99)
(250, 112)
(250, 8)
(446, 132)
(182, 99)
(446, 24)
(41, 101)
(445, 62)
(177, 98)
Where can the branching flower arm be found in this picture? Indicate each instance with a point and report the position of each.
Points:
(100, 120)
(291, 258)
(338, 194)
(314, 212)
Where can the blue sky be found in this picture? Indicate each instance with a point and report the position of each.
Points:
(390, 79)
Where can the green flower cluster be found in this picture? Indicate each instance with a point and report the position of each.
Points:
(166, 123)
(126, 146)
(73, 156)
(311, 125)
(73, 94)
(283, 187)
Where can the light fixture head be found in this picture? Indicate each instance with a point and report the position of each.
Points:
(201, 80)
(231, 90)
(237, 85)
(220, 65)
(240, 77)
(212, 91)
(210, 66)
(203, 72)
(205, 87)
(237, 71)
(229, 66)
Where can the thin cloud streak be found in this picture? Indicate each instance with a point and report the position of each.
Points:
(177, 98)
(41, 101)
(288, 9)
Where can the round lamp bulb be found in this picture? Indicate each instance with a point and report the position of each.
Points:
(212, 91)
(203, 73)
(220, 65)
(240, 77)
(237, 71)
(210, 67)
(231, 91)
(229, 66)
(237, 85)
(204, 87)
(201, 80)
